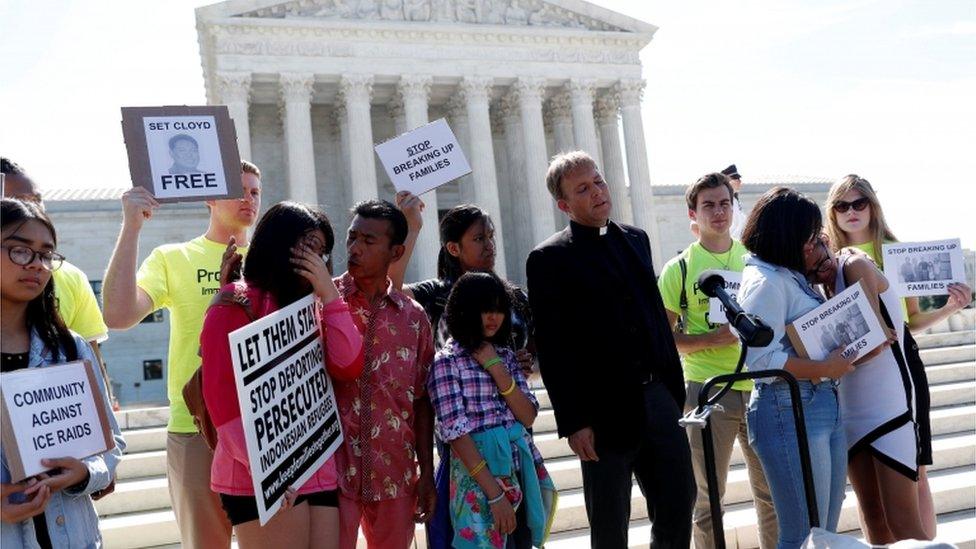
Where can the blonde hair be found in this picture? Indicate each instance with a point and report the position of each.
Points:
(878, 227)
(562, 164)
(251, 168)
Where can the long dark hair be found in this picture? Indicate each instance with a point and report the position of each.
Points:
(42, 311)
(475, 293)
(268, 264)
(781, 222)
(456, 222)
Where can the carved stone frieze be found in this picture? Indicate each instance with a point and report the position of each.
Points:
(476, 12)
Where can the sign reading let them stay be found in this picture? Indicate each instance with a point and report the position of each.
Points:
(291, 422)
(183, 153)
(924, 268)
(52, 412)
(424, 158)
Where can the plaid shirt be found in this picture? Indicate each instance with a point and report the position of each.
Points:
(466, 398)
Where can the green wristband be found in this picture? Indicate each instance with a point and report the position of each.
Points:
(492, 361)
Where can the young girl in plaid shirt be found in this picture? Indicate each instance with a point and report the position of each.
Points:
(501, 493)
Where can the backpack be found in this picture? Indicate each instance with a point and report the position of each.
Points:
(683, 298)
(193, 390)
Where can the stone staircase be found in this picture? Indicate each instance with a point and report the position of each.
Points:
(138, 513)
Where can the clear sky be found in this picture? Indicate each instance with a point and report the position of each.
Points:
(882, 88)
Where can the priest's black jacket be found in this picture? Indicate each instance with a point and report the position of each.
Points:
(601, 330)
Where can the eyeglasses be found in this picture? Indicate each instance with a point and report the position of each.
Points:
(23, 256)
(841, 207)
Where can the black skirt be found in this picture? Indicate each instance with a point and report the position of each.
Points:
(923, 401)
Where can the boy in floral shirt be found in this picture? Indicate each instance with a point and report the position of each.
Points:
(387, 418)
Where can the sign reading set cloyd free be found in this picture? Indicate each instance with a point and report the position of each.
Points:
(291, 422)
(52, 412)
(424, 158)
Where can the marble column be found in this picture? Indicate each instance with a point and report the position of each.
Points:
(606, 109)
(520, 229)
(457, 114)
(641, 193)
(234, 90)
(414, 91)
(296, 104)
(560, 116)
(530, 92)
(584, 129)
(506, 196)
(356, 90)
(476, 90)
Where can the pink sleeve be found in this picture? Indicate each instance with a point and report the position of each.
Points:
(219, 386)
(343, 342)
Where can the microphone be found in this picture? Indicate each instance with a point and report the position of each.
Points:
(753, 331)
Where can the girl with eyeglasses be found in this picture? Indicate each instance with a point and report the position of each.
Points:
(855, 219)
(33, 335)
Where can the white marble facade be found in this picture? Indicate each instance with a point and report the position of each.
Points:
(312, 85)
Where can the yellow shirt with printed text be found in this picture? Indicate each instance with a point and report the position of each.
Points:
(706, 363)
(77, 303)
(183, 278)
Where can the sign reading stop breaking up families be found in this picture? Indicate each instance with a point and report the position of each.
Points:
(182, 154)
(291, 422)
(52, 412)
(924, 268)
(847, 321)
(424, 158)
(716, 311)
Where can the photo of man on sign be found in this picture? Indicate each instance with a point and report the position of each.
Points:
(185, 152)
(181, 154)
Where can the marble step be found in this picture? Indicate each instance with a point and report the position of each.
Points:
(951, 373)
(947, 339)
(948, 355)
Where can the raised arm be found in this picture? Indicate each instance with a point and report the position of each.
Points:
(412, 207)
(125, 303)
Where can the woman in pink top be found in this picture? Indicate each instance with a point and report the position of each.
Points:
(287, 259)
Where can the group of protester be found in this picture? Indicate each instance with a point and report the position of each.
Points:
(622, 353)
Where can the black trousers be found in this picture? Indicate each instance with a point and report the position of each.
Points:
(661, 461)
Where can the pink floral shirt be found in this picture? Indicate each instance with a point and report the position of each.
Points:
(378, 461)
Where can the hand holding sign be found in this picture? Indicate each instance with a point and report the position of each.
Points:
(67, 472)
(138, 206)
(413, 208)
(36, 498)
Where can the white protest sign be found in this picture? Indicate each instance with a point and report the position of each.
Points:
(424, 158)
(923, 268)
(845, 321)
(291, 422)
(716, 311)
(52, 412)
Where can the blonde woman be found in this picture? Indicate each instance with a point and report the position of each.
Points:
(855, 219)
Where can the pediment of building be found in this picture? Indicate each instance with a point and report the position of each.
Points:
(565, 14)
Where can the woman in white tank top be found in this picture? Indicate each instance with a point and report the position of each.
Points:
(877, 406)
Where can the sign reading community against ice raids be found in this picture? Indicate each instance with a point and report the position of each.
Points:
(924, 268)
(716, 311)
(182, 154)
(424, 158)
(51, 412)
(291, 422)
(846, 321)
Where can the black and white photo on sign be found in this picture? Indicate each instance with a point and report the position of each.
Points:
(52, 412)
(424, 158)
(184, 156)
(288, 407)
(924, 268)
(846, 321)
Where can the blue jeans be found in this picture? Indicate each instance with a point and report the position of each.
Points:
(772, 434)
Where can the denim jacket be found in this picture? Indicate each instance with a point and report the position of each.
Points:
(70, 514)
(779, 296)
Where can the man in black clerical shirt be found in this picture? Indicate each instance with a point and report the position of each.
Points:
(609, 361)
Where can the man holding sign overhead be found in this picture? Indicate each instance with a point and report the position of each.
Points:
(708, 348)
(183, 278)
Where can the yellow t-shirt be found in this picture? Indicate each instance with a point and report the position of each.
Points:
(868, 248)
(184, 279)
(701, 365)
(77, 303)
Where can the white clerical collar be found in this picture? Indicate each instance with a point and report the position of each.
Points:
(603, 230)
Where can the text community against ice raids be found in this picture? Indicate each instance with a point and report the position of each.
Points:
(291, 423)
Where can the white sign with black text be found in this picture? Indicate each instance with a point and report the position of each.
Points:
(845, 321)
(424, 158)
(52, 412)
(716, 311)
(924, 268)
(291, 422)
